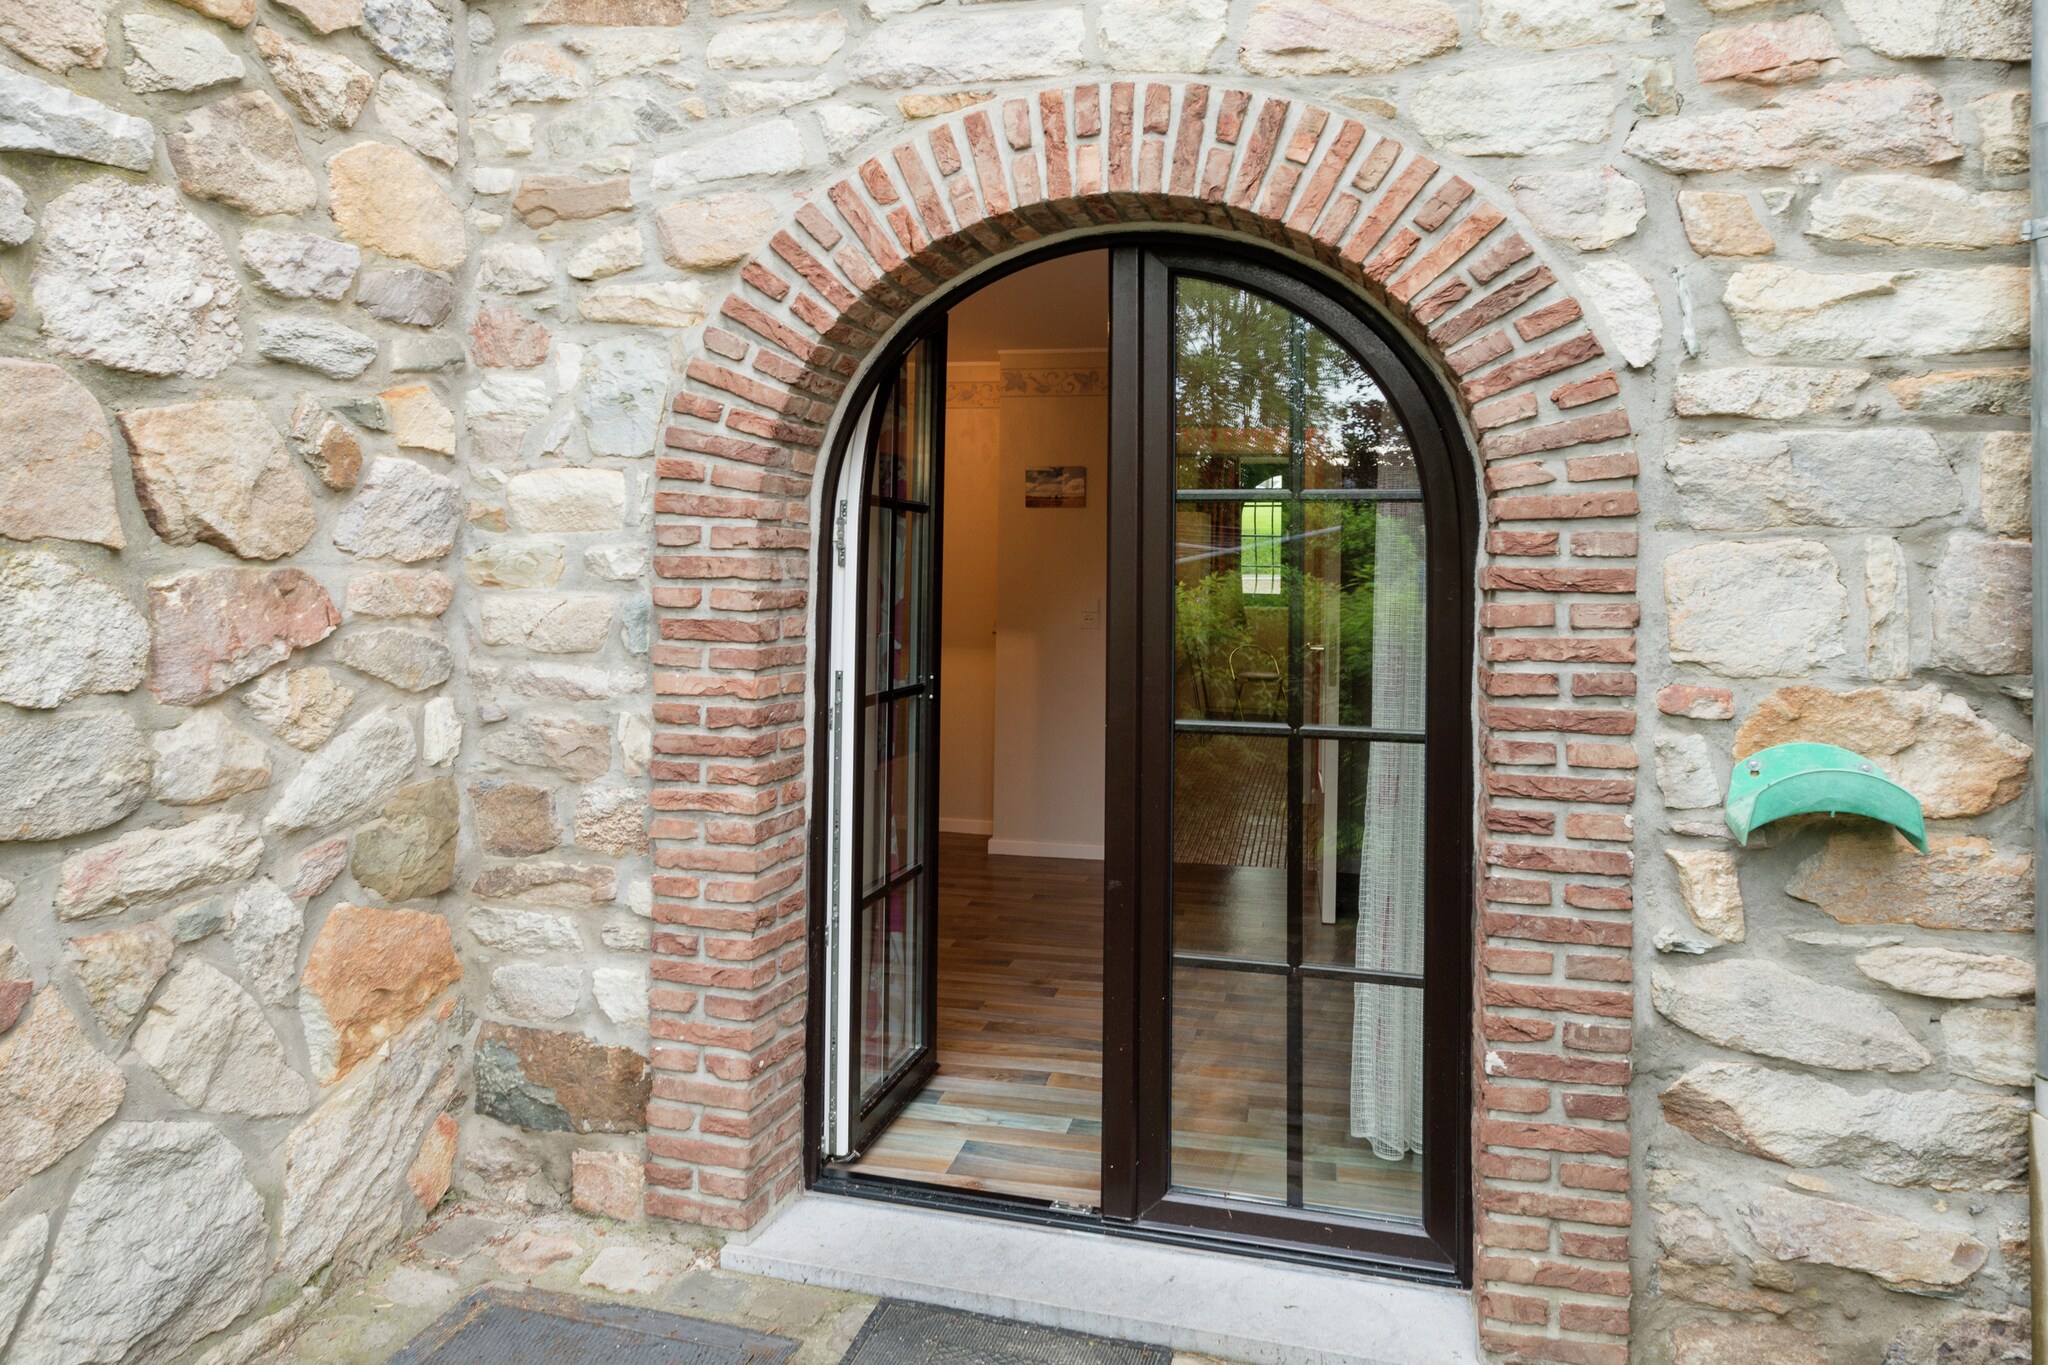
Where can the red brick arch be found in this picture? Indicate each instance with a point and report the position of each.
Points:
(735, 530)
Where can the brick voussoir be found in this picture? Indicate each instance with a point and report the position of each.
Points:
(1600, 426)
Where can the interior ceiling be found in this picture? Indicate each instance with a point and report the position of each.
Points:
(1059, 304)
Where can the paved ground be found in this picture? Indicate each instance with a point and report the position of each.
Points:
(654, 1265)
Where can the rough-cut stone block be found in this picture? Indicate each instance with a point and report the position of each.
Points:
(1911, 1256)
(1528, 109)
(1773, 393)
(129, 279)
(1592, 208)
(1758, 1006)
(384, 197)
(164, 1243)
(36, 116)
(218, 472)
(1756, 610)
(56, 458)
(1946, 1139)
(371, 973)
(1880, 477)
(64, 634)
(1721, 223)
(1858, 124)
(1948, 974)
(241, 152)
(1291, 38)
(1927, 740)
(1981, 30)
(58, 1090)
(147, 865)
(69, 773)
(1912, 210)
(1771, 53)
(610, 1183)
(218, 628)
(208, 1042)
(971, 49)
(1983, 597)
(408, 851)
(560, 1082)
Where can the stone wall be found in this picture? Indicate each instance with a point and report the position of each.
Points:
(327, 485)
(323, 660)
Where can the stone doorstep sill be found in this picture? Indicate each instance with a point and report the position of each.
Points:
(1229, 1306)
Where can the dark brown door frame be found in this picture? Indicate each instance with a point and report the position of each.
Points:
(1138, 832)
(1138, 844)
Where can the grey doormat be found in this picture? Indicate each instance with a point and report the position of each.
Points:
(900, 1333)
(531, 1327)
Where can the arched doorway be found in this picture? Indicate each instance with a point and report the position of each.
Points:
(743, 527)
(1285, 902)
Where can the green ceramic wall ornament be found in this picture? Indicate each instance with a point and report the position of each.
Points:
(1808, 779)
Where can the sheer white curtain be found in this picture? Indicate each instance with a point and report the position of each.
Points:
(1386, 1056)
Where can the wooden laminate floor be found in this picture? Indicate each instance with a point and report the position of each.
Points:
(1016, 1106)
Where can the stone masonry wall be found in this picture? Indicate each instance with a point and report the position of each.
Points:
(339, 343)
(322, 653)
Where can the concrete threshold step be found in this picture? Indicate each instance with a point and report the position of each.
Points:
(1236, 1307)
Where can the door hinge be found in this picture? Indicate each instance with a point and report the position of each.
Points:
(2033, 229)
(839, 534)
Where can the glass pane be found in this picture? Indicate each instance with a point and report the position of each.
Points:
(1364, 615)
(1230, 1082)
(1230, 641)
(878, 620)
(1362, 846)
(909, 589)
(1351, 437)
(892, 983)
(1230, 846)
(904, 775)
(1255, 384)
(1362, 1098)
(874, 797)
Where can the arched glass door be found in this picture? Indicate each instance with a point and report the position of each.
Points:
(886, 822)
(1288, 811)
(1300, 831)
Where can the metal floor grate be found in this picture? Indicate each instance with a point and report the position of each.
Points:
(530, 1327)
(900, 1333)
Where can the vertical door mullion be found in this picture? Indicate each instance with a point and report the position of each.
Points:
(933, 395)
(1294, 582)
(1124, 718)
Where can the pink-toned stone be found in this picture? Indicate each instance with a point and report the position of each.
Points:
(319, 866)
(56, 458)
(220, 627)
(1744, 1343)
(434, 1168)
(56, 1088)
(14, 997)
(501, 338)
(118, 969)
(372, 971)
(1771, 53)
(1862, 123)
(610, 1183)
(1698, 703)
(325, 16)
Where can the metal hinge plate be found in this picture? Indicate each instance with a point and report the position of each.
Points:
(2033, 229)
(839, 534)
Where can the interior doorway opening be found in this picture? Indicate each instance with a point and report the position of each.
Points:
(1151, 758)
(1015, 1105)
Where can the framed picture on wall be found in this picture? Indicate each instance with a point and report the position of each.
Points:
(1058, 485)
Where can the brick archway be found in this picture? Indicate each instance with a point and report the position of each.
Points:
(734, 540)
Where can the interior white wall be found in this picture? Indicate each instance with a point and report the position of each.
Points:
(1051, 574)
(967, 603)
(1021, 692)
